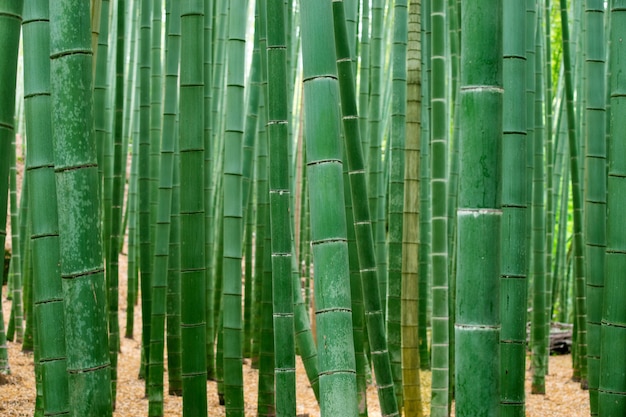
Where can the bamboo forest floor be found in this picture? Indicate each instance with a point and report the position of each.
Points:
(17, 390)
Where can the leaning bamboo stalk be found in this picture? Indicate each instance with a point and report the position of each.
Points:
(163, 217)
(362, 223)
(575, 173)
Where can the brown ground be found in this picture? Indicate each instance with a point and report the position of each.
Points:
(563, 398)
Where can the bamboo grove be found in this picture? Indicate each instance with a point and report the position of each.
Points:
(392, 191)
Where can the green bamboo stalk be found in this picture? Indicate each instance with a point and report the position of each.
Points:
(262, 190)
(479, 213)
(595, 195)
(280, 200)
(192, 262)
(131, 127)
(117, 195)
(439, 236)
(362, 223)
(305, 342)
(102, 117)
(210, 195)
(549, 152)
(356, 292)
(581, 308)
(561, 273)
(10, 23)
(28, 342)
(425, 268)
(249, 163)
(103, 120)
(541, 322)
(266, 398)
(82, 269)
(15, 268)
(133, 240)
(164, 213)
(248, 280)
(374, 160)
(47, 288)
(265, 404)
(513, 278)
(611, 398)
(396, 193)
(174, 354)
(364, 74)
(145, 261)
(233, 210)
(327, 214)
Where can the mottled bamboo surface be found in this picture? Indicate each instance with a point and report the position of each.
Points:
(17, 392)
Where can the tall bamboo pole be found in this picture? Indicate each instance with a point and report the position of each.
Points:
(47, 287)
(82, 267)
(579, 269)
(595, 186)
(233, 210)
(328, 224)
(513, 284)
(439, 235)
(411, 213)
(192, 262)
(477, 328)
(362, 222)
(10, 24)
(279, 199)
(611, 397)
